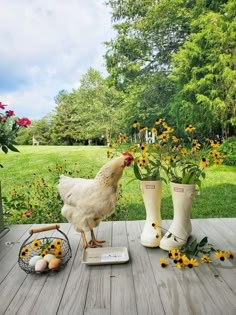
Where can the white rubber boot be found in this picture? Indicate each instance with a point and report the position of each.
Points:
(181, 227)
(151, 192)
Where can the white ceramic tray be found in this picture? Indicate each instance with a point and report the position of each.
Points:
(105, 255)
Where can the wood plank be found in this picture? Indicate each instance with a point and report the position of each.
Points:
(168, 284)
(213, 281)
(12, 237)
(222, 239)
(75, 291)
(147, 293)
(98, 294)
(122, 284)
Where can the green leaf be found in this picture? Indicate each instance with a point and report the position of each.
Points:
(137, 171)
(203, 242)
(12, 148)
(5, 149)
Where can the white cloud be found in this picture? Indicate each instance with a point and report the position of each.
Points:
(48, 46)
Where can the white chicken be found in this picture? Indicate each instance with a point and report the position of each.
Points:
(88, 201)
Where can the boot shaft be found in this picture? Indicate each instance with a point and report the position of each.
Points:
(151, 192)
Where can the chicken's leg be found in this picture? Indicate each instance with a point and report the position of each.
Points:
(84, 241)
(94, 242)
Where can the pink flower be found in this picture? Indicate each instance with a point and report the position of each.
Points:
(24, 122)
(10, 113)
(2, 106)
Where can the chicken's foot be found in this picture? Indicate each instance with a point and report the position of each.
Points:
(94, 242)
(91, 244)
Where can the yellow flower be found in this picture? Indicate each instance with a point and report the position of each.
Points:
(25, 252)
(184, 152)
(204, 162)
(135, 124)
(45, 252)
(36, 244)
(158, 121)
(195, 145)
(164, 262)
(164, 136)
(215, 154)
(218, 162)
(214, 143)
(175, 139)
(154, 131)
(58, 252)
(189, 128)
(174, 253)
(58, 242)
(155, 224)
(192, 262)
(229, 254)
(144, 148)
(179, 265)
(220, 255)
(143, 161)
(206, 259)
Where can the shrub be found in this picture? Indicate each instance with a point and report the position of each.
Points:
(228, 147)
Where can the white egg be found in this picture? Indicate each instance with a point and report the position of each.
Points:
(33, 260)
(49, 257)
(41, 265)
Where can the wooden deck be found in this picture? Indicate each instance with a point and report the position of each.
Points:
(140, 286)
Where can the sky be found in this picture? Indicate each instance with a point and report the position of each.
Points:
(47, 46)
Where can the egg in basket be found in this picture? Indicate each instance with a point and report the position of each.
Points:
(44, 254)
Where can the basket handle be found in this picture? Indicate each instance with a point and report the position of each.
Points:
(44, 229)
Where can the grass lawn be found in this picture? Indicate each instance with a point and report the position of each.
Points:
(217, 197)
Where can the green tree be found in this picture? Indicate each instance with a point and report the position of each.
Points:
(90, 112)
(204, 71)
(138, 59)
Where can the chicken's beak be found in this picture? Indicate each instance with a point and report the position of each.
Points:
(128, 161)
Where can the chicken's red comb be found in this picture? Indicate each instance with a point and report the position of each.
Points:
(128, 154)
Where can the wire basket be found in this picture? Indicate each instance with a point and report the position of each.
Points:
(57, 246)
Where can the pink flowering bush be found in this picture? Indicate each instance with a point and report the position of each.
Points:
(9, 126)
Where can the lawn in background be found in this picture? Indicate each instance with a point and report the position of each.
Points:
(217, 197)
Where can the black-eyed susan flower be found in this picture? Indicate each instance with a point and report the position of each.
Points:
(25, 252)
(175, 139)
(215, 154)
(174, 253)
(164, 262)
(135, 124)
(144, 148)
(189, 128)
(143, 161)
(158, 121)
(220, 255)
(184, 151)
(196, 145)
(155, 224)
(36, 244)
(214, 143)
(164, 136)
(204, 162)
(192, 262)
(45, 252)
(229, 254)
(58, 242)
(154, 131)
(206, 259)
(58, 252)
(218, 162)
